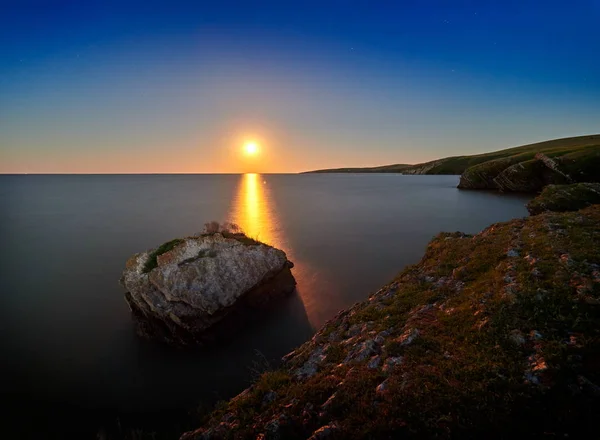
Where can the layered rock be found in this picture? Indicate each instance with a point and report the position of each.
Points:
(530, 172)
(493, 335)
(562, 198)
(196, 289)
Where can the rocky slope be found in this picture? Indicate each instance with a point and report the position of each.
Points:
(523, 173)
(488, 335)
(560, 198)
(183, 291)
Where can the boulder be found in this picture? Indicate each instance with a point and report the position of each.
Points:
(196, 289)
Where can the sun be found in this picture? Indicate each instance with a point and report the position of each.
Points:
(250, 148)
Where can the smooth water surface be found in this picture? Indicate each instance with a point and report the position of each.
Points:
(66, 332)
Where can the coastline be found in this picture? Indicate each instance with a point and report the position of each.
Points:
(468, 299)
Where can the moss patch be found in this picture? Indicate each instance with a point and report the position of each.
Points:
(151, 262)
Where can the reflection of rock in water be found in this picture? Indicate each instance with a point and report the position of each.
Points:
(193, 290)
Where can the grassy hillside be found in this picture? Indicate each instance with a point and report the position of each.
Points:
(492, 335)
(458, 164)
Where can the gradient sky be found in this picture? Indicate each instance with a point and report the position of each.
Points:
(177, 86)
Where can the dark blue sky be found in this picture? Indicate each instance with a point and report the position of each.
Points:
(178, 86)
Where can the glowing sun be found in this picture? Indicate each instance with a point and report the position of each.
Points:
(250, 148)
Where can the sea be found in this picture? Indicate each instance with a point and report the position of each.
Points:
(72, 365)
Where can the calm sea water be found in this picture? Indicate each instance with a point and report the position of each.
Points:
(66, 333)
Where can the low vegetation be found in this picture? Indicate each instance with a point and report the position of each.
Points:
(562, 198)
(227, 230)
(488, 335)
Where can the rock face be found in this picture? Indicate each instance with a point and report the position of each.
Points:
(494, 335)
(189, 290)
(530, 172)
(560, 198)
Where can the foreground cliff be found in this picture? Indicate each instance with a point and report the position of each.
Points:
(489, 335)
(196, 289)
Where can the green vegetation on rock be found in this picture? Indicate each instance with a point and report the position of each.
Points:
(226, 230)
(565, 198)
(152, 262)
(488, 335)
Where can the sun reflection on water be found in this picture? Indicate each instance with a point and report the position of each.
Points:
(254, 211)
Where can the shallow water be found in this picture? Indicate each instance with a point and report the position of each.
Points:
(66, 333)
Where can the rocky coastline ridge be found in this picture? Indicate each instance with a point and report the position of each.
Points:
(490, 335)
(528, 168)
(194, 290)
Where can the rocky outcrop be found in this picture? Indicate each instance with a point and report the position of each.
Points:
(529, 172)
(562, 198)
(193, 290)
(492, 335)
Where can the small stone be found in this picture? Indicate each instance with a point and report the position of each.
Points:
(517, 337)
(391, 362)
(273, 428)
(324, 432)
(534, 334)
(311, 366)
(269, 397)
(382, 387)
(354, 330)
(334, 337)
(362, 351)
(374, 362)
(512, 253)
(408, 336)
(532, 378)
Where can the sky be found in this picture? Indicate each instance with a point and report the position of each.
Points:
(180, 86)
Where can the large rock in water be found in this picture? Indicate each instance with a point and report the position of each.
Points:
(193, 290)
